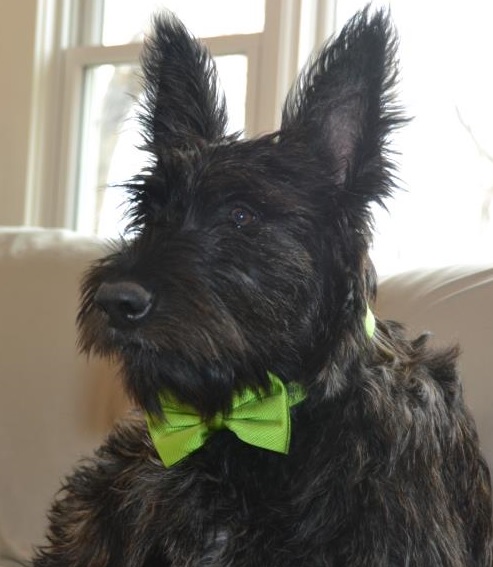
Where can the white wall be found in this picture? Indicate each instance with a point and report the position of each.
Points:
(17, 31)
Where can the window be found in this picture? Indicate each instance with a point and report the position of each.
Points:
(444, 212)
(255, 45)
(109, 137)
(442, 215)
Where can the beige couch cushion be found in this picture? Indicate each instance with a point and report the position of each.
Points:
(54, 405)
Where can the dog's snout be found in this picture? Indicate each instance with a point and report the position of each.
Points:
(124, 301)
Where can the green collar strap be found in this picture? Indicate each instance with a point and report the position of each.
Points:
(260, 419)
(370, 323)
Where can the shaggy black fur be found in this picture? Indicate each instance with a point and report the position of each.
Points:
(251, 256)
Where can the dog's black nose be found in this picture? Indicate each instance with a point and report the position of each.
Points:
(124, 301)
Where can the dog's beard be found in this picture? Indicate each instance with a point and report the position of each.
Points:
(211, 333)
(200, 363)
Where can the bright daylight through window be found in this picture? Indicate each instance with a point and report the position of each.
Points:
(443, 215)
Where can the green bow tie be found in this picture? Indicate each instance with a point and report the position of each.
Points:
(262, 420)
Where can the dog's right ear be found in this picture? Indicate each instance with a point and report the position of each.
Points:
(343, 106)
(182, 105)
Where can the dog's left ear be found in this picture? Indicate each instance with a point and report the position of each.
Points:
(341, 106)
(182, 105)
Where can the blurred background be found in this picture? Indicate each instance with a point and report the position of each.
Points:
(70, 88)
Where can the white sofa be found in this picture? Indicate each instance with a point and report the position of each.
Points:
(56, 406)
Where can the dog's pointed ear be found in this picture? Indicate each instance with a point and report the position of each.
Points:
(182, 105)
(342, 104)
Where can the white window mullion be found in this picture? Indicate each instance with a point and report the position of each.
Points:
(326, 21)
(53, 36)
(252, 103)
(278, 60)
(317, 24)
(249, 46)
(90, 14)
(69, 142)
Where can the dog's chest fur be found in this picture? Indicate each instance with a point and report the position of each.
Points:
(342, 483)
(230, 503)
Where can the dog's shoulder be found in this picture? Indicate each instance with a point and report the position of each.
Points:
(415, 366)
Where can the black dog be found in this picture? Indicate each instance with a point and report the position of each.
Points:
(282, 426)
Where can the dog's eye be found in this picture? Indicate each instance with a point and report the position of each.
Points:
(241, 216)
